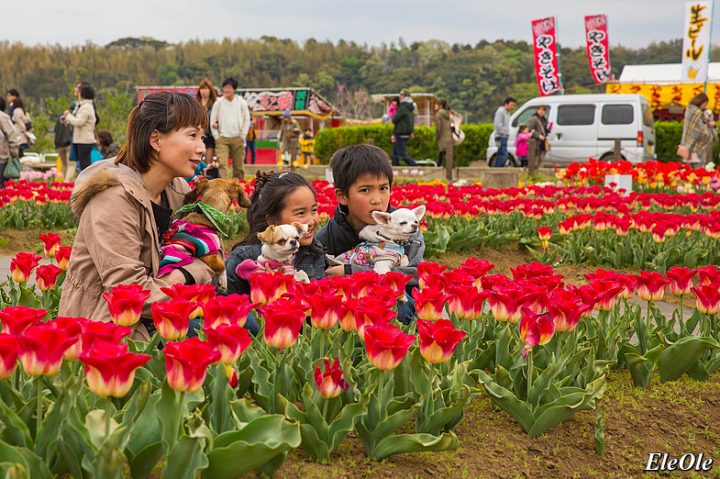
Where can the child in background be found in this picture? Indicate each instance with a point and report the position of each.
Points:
(521, 145)
(306, 148)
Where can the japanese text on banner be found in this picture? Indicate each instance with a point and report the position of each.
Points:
(696, 41)
(598, 47)
(546, 56)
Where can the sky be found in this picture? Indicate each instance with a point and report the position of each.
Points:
(632, 23)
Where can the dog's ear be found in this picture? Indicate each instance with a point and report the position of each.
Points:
(267, 235)
(301, 228)
(242, 198)
(419, 212)
(196, 193)
(381, 217)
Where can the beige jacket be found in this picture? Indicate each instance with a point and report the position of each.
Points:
(116, 241)
(443, 132)
(20, 118)
(9, 138)
(83, 123)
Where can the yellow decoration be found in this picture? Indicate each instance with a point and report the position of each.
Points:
(662, 96)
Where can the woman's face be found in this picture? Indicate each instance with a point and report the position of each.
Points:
(205, 93)
(302, 207)
(180, 151)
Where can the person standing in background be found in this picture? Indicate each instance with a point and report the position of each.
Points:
(289, 138)
(22, 124)
(404, 122)
(10, 97)
(9, 141)
(251, 137)
(83, 123)
(63, 139)
(537, 126)
(207, 97)
(108, 148)
(230, 122)
(501, 122)
(443, 134)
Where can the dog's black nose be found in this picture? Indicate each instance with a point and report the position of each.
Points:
(293, 242)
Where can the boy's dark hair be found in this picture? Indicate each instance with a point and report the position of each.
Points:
(105, 138)
(269, 199)
(3, 104)
(352, 161)
(230, 81)
(14, 92)
(87, 92)
(509, 100)
(18, 103)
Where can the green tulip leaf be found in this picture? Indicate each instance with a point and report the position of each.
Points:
(677, 359)
(550, 415)
(404, 443)
(507, 401)
(143, 463)
(444, 418)
(16, 431)
(26, 458)
(186, 459)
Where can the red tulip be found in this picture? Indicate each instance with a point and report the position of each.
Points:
(490, 281)
(22, 264)
(46, 276)
(342, 285)
(465, 301)
(8, 355)
(126, 302)
(628, 283)
(42, 347)
(680, 280)
(110, 368)
(325, 310)
(187, 362)
(330, 383)
(606, 293)
(477, 268)
(438, 340)
(74, 328)
(346, 315)
(709, 275)
(386, 345)
(429, 303)
(532, 270)
(267, 287)
(395, 281)
(172, 318)
(544, 232)
(455, 277)
(427, 270)
(381, 294)
(197, 293)
(230, 339)
(62, 256)
(93, 331)
(707, 299)
(369, 313)
(231, 309)
(535, 329)
(651, 286)
(565, 308)
(361, 283)
(51, 243)
(504, 304)
(15, 319)
(283, 321)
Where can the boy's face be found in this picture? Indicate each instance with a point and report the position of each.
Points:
(369, 193)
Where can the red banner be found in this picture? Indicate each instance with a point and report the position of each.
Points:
(546, 56)
(598, 48)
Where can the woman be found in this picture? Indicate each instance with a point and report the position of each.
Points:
(537, 126)
(443, 133)
(83, 123)
(279, 198)
(124, 206)
(22, 121)
(9, 141)
(206, 95)
(698, 135)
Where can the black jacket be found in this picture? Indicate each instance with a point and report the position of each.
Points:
(404, 120)
(313, 264)
(338, 236)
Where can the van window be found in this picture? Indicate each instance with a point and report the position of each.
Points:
(524, 117)
(576, 115)
(618, 114)
(647, 116)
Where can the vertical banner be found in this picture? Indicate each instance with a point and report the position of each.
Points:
(696, 41)
(546, 56)
(598, 47)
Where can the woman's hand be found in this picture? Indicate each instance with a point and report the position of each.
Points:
(337, 270)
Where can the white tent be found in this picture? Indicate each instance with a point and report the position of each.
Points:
(662, 73)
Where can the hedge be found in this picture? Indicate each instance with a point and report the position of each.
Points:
(329, 140)
(421, 147)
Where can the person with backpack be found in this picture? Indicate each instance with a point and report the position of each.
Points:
(63, 139)
(404, 122)
(23, 125)
(9, 141)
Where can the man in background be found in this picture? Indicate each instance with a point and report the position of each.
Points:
(230, 122)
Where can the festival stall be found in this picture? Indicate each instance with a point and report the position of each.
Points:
(424, 103)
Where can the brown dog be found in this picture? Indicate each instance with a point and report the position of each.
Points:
(219, 194)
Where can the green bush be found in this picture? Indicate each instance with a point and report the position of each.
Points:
(667, 138)
(423, 146)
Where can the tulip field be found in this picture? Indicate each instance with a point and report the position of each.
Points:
(512, 371)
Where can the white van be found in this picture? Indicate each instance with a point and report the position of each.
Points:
(582, 126)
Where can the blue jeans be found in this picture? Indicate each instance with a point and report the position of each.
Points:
(399, 152)
(250, 146)
(195, 326)
(502, 153)
(406, 310)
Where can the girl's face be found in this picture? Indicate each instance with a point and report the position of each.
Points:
(204, 93)
(302, 207)
(180, 151)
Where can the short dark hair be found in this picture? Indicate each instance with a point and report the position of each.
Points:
(699, 99)
(443, 103)
(353, 161)
(3, 104)
(230, 81)
(87, 92)
(165, 112)
(105, 138)
(18, 103)
(13, 92)
(269, 199)
(509, 100)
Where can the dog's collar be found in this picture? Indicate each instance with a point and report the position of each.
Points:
(390, 240)
(220, 220)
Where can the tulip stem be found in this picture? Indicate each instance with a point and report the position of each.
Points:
(381, 396)
(325, 410)
(39, 408)
(322, 343)
(107, 417)
(529, 373)
(682, 318)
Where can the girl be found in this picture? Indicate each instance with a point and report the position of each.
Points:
(521, 145)
(207, 96)
(279, 198)
(124, 205)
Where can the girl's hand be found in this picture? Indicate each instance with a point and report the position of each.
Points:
(337, 270)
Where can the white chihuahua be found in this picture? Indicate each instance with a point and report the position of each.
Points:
(280, 243)
(384, 245)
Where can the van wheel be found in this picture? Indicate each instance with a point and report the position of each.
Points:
(491, 160)
(609, 156)
(511, 160)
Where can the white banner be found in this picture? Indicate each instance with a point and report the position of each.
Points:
(696, 41)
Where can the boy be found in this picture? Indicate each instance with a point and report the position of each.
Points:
(363, 178)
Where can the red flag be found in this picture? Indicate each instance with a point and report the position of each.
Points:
(598, 47)
(546, 56)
